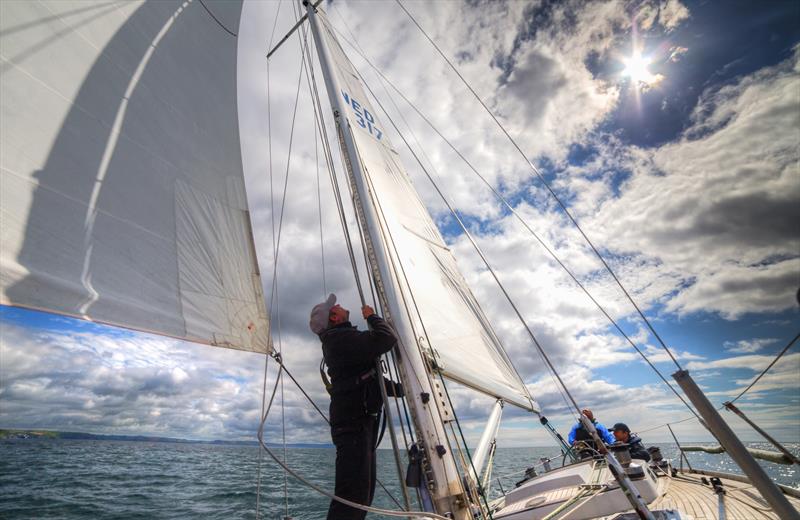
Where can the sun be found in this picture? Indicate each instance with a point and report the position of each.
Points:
(636, 69)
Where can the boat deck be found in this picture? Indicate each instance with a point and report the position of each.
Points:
(686, 492)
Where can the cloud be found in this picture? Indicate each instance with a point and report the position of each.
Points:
(784, 375)
(105, 381)
(718, 208)
(676, 53)
(746, 346)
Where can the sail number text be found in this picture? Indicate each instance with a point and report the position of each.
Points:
(364, 119)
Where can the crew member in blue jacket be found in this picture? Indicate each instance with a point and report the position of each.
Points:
(579, 433)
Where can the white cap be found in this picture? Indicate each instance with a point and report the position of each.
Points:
(320, 314)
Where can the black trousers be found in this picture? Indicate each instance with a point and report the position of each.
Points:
(355, 466)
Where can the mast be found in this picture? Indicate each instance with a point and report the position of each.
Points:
(486, 441)
(440, 473)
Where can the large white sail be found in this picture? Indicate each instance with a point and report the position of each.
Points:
(443, 309)
(122, 190)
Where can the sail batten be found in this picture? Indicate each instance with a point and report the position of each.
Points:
(123, 195)
(450, 326)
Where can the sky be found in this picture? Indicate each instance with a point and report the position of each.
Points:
(671, 130)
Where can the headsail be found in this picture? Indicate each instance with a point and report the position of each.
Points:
(122, 187)
(443, 308)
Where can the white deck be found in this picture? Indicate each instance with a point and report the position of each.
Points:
(685, 493)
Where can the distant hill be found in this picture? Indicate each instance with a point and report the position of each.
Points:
(47, 434)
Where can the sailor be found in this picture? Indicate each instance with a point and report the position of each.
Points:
(623, 434)
(579, 433)
(356, 400)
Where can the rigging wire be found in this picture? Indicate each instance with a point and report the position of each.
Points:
(319, 117)
(332, 173)
(387, 407)
(478, 484)
(283, 409)
(319, 210)
(216, 19)
(523, 221)
(272, 225)
(546, 185)
(277, 241)
(320, 121)
(780, 354)
(786, 348)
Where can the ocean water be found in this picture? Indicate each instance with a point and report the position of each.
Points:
(65, 479)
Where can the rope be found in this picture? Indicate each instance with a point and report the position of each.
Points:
(318, 489)
(787, 347)
(354, 505)
(283, 416)
(279, 360)
(216, 19)
(548, 187)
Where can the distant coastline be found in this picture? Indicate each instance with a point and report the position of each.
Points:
(6, 434)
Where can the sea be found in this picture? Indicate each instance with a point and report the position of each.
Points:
(100, 479)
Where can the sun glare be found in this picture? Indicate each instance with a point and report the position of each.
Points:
(636, 69)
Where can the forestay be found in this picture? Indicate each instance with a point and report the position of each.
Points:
(122, 188)
(442, 307)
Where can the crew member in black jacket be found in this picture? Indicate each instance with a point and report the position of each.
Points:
(623, 434)
(356, 400)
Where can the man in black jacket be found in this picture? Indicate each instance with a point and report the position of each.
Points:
(356, 400)
(623, 434)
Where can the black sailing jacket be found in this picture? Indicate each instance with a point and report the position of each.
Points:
(638, 451)
(349, 354)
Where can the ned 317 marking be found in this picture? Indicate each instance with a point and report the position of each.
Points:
(364, 119)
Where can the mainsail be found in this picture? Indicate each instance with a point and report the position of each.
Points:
(122, 190)
(450, 325)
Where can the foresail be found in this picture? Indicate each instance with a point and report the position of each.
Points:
(442, 307)
(123, 195)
